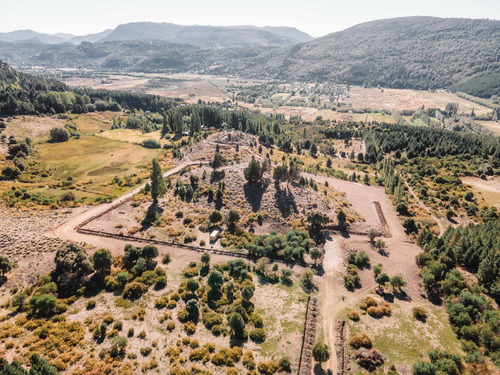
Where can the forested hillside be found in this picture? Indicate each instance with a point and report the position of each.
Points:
(22, 93)
(414, 52)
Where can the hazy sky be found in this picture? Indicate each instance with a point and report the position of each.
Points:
(316, 17)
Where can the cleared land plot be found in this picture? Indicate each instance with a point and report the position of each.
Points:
(395, 99)
(129, 135)
(307, 113)
(32, 126)
(189, 87)
(91, 123)
(491, 125)
(190, 90)
(413, 338)
(379, 117)
(488, 189)
(94, 158)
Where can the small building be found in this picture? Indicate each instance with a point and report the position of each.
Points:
(214, 235)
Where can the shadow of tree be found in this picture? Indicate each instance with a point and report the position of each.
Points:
(318, 370)
(286, 202)
(152, 212)
(254, 193)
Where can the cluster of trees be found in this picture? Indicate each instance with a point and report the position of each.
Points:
(22, 93)
(441, 362)
(286, 173)
(192, 117)
(293, 246)
(19, 150)
(254, 171)
(475, 248)
(423, 141)
(393, 183)
(38, 366)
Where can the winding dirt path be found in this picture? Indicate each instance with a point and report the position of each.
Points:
(427, 209)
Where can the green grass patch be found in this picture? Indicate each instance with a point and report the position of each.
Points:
(94, 161)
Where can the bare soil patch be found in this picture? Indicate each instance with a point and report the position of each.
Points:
(32, 126)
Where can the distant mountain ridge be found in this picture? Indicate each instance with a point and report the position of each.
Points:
(25, 35)
(199, 36)
(424, 53)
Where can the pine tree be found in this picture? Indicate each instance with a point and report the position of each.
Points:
(158, 187)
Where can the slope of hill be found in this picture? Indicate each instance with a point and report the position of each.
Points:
(19, 35)
(92, 38)
(200, 36)
(413, 52)
(205, 36)
(287, 32)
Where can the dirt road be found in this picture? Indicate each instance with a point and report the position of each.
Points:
(362, 198)
(67, 231)
(331, 301)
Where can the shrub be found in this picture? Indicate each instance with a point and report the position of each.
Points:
(161, 302)
(248, 360)
(134, 290)
(199, 354)
(170, 326)
(359, 340)
(59, 134)
(91, 304)
(378, 311)
(369, 359)
(367, 302)
(151, 143)
(224, 356)
(146, 351)
(110, 283)
(216, 330)
(267, 367)
(142, 335)
(258, 335)
(166, 259)
(190, 328)
(257, 321)
(386, 308)
(190, 272)
(420, 313)
(122, 277)
(211, 319)
(285, 364)
(353, 315)
(161, 282)
(108, 319)
(67, 197)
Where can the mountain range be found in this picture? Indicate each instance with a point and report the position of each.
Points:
(409, 52)
(200, 36)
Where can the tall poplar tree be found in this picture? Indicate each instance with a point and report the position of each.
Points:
(158, 187)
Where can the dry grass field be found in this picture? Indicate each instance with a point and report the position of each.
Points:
(395, 99)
